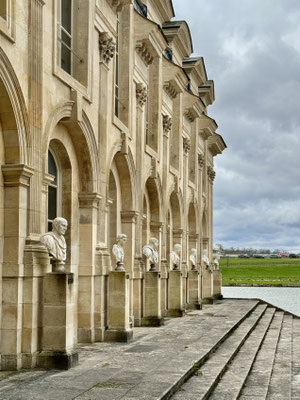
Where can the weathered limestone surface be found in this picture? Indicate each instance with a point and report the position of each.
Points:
(111, 132)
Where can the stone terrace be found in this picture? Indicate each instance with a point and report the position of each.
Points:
(233, 349)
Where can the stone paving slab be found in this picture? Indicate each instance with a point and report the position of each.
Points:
(148, 368)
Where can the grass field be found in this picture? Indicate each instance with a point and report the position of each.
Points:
(265, 271)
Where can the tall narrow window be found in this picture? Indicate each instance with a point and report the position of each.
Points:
(52, 191)
(65, 35)
(117, 70)
(3, 9)
(147, 128)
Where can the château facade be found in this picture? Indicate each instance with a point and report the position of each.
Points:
(103, 121)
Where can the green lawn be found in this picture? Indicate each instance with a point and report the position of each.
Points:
(266, 271)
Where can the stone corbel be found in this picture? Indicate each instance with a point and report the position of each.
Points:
(107, 47)
(119, 4)
(129, 216)
(167, 124)
(144, 53)
(171, 89)
(186, 145)
(141, 94)
(190, 114)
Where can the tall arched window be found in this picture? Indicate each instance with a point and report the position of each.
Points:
(53, 192)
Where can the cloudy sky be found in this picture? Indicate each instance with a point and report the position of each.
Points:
(252, 52)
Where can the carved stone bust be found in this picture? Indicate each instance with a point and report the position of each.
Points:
(56, 243)
(205, 260)
(175, 256)
(118, 251)
(216, 262)
(193, 259)
(151, 253)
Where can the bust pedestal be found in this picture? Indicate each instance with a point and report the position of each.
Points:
(118, 308)
(152, 300)
(207, 286)
(175, 306)
(193, 291)
(217, 284)
(58, 314)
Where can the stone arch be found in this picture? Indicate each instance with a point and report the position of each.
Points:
(83, 138)
(13, 115)
(124, 167)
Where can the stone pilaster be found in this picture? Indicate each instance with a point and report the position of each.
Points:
(88, 210)
(16, 187)
(35, 112)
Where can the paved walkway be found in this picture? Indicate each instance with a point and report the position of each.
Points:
(159, 360)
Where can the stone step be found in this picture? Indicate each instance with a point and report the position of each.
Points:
(207, 376)
(257, 382)
(280, 383)
(234, 378)
(296, 359)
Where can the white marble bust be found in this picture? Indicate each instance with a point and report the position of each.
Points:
(56, 243)
(216, 262)
(193, 259)
(205, 259)
(150, 251)
(118, 251)
(175, 256)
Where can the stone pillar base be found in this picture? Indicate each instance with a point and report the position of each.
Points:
(217, 296)
(119, 329)
(118, 335)
(175, 313)
(196, 306)
(11, 362)
(57, 359)
(153, 321)
(175, 306)
(207, 300)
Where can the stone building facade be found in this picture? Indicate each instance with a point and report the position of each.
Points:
(103, 121)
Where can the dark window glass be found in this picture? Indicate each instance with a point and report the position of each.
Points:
(52, 169)
(52, 202)
(65, 59)
(3, 9)
(66, 14)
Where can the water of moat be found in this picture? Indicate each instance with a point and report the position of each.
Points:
(287, 298)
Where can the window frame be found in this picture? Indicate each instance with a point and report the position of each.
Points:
(61, 43)
(7, 25)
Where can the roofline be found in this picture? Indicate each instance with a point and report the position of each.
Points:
(180, 22)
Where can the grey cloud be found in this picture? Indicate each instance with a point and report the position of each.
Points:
(252, 51)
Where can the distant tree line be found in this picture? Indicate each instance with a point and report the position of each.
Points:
(247, 250)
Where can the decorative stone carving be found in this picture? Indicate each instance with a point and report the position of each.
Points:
(170, 89)
(205, 260)
(167, 124)
(119, 4)
(56, 243)
(193, 259)
(151, 253)
(190, 114)
(201, 160)
(107, 46)
(211, 174)
(144, 53)
(118, 251)
(186, 145)
(175, 257)
(141, 94)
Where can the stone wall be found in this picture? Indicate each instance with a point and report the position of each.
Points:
(128, 128)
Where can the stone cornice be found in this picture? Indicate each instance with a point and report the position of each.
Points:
(216, 144)
(175, 80)
(207, 126)
(192, 106)
(144, 52)
(16, 174)
(89, 200)
(207, 92)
